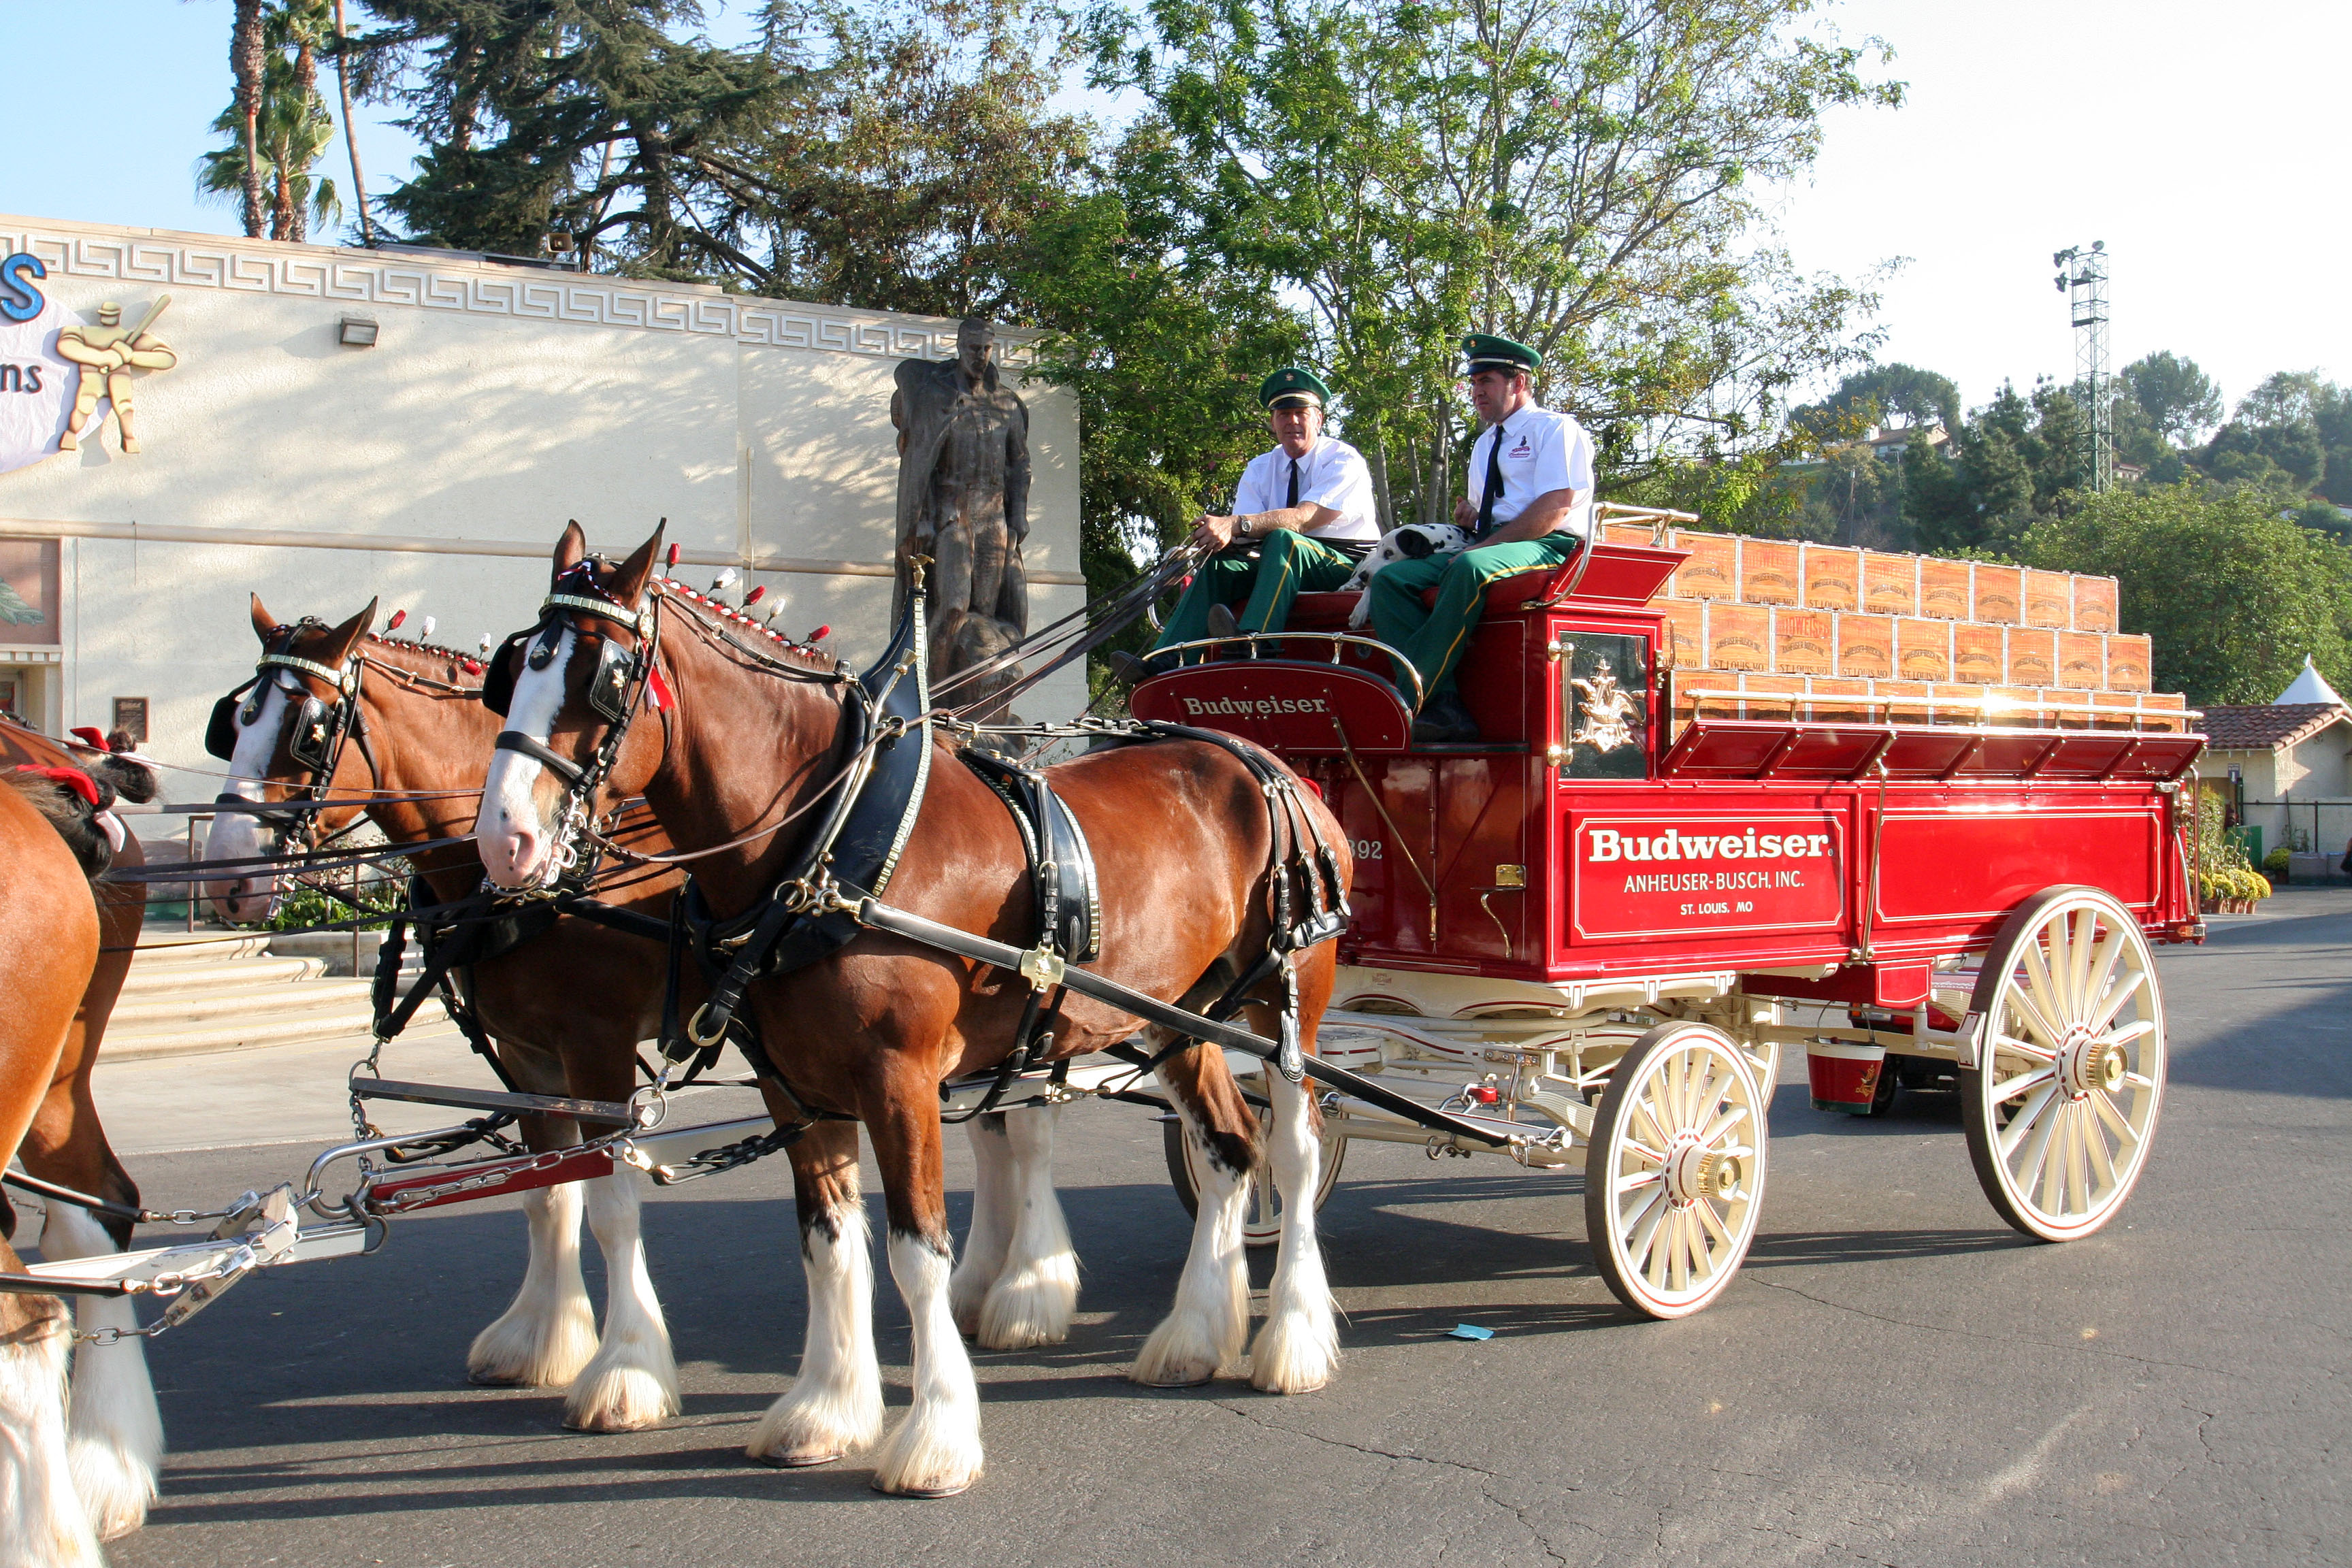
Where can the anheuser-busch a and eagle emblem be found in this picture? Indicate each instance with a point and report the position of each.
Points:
(1606, 710)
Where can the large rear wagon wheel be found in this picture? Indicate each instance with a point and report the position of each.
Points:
(2062, 1110)
(1673, 1178)
(1262, 1221)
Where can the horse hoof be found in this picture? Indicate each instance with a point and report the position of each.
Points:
(1201, 1381)
(926, 1492)
(797, 1461)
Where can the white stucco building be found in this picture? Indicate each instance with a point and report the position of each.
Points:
(436, 465)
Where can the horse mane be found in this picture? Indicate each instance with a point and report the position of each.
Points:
(75, 818)
(803, 656)
(409, 655)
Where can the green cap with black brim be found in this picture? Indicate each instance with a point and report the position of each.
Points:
(1485, 351)
(1292, 388)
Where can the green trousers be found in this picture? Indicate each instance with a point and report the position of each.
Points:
(1433, 639)
(1288, 564)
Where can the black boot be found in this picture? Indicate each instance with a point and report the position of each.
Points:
(1444, 720)
(1221, 623)
(1125, 667)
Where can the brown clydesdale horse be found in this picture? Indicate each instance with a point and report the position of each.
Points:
(49, 949)
(566, 1011)
(116, 1440)
(736, 736)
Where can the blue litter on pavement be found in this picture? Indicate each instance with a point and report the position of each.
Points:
(1470, 1331)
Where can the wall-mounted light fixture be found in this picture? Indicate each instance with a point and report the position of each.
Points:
(356, 333)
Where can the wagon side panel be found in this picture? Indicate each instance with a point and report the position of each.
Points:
(1950, 870)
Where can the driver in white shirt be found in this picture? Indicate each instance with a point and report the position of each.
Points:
(1303, 516)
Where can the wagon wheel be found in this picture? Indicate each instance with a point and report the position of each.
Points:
(2060, 1114)
(1674, 1177)
(1262, 1221)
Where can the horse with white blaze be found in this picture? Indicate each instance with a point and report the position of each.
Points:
(808, 795)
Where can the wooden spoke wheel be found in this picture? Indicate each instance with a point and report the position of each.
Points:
(1262, 1221)
(2061, 1111)
(1673, 1178)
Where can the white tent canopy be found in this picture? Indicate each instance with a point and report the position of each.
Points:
(2310, 686)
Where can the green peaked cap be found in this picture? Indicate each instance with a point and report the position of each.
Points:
(1485, 351)
(1291, 384)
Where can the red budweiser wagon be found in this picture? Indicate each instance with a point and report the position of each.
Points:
(1592, 932)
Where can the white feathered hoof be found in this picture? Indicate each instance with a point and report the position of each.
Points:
(1186, 1350)
(618, 1393)
(800, 1431)
(534, 1350)
(114, 1484)
(1297, 1351)
(42, 1523)
(1030, 1305)
(934, 1453)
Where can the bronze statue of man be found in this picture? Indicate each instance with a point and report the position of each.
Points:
(963, 500)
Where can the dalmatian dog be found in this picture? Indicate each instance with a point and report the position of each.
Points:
(1413, 541)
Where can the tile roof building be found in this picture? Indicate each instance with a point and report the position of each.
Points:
(2287, 768)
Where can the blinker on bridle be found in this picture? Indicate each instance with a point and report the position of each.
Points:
(318, 732)
(618, 670)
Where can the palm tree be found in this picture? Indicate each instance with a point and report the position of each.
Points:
(285, 134)
(245, 51)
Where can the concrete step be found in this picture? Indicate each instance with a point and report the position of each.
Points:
(256, 999)
(337, 1019)
(150, 979)
(158, 949)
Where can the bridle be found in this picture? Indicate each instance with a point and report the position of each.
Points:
(623, 679)
(321, 730)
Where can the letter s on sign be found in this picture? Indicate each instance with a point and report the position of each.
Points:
(19, 301)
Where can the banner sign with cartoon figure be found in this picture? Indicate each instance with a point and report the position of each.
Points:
(60, 377)
(36, 387)
(1671, 874)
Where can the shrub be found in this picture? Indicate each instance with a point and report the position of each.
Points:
(2275, 862)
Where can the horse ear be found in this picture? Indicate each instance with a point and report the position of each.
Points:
(264, 623)
(339, 642)
(629, 583)
(571, 549)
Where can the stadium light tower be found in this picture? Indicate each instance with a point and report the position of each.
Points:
(2083, 278)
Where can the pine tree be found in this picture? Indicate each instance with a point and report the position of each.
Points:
(582, 119)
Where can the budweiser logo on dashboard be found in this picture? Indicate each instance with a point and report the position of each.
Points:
(1246, 707)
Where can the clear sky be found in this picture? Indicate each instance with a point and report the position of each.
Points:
(2189, 138)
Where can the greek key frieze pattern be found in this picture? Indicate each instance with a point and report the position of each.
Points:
(304, 272)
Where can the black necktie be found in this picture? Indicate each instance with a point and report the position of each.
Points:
(1494, 485)
(1294, 484)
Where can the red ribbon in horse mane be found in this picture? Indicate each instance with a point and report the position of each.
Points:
(74, 779)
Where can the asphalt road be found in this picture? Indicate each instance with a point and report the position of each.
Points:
(1896, 1378)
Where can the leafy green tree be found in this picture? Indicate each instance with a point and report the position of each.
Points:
(907, 155)
(2231, 591)
(2178, 399)
(2286, 398)
(1892, 394)
(1575, 173)
(289, 129)
(2270, 457)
